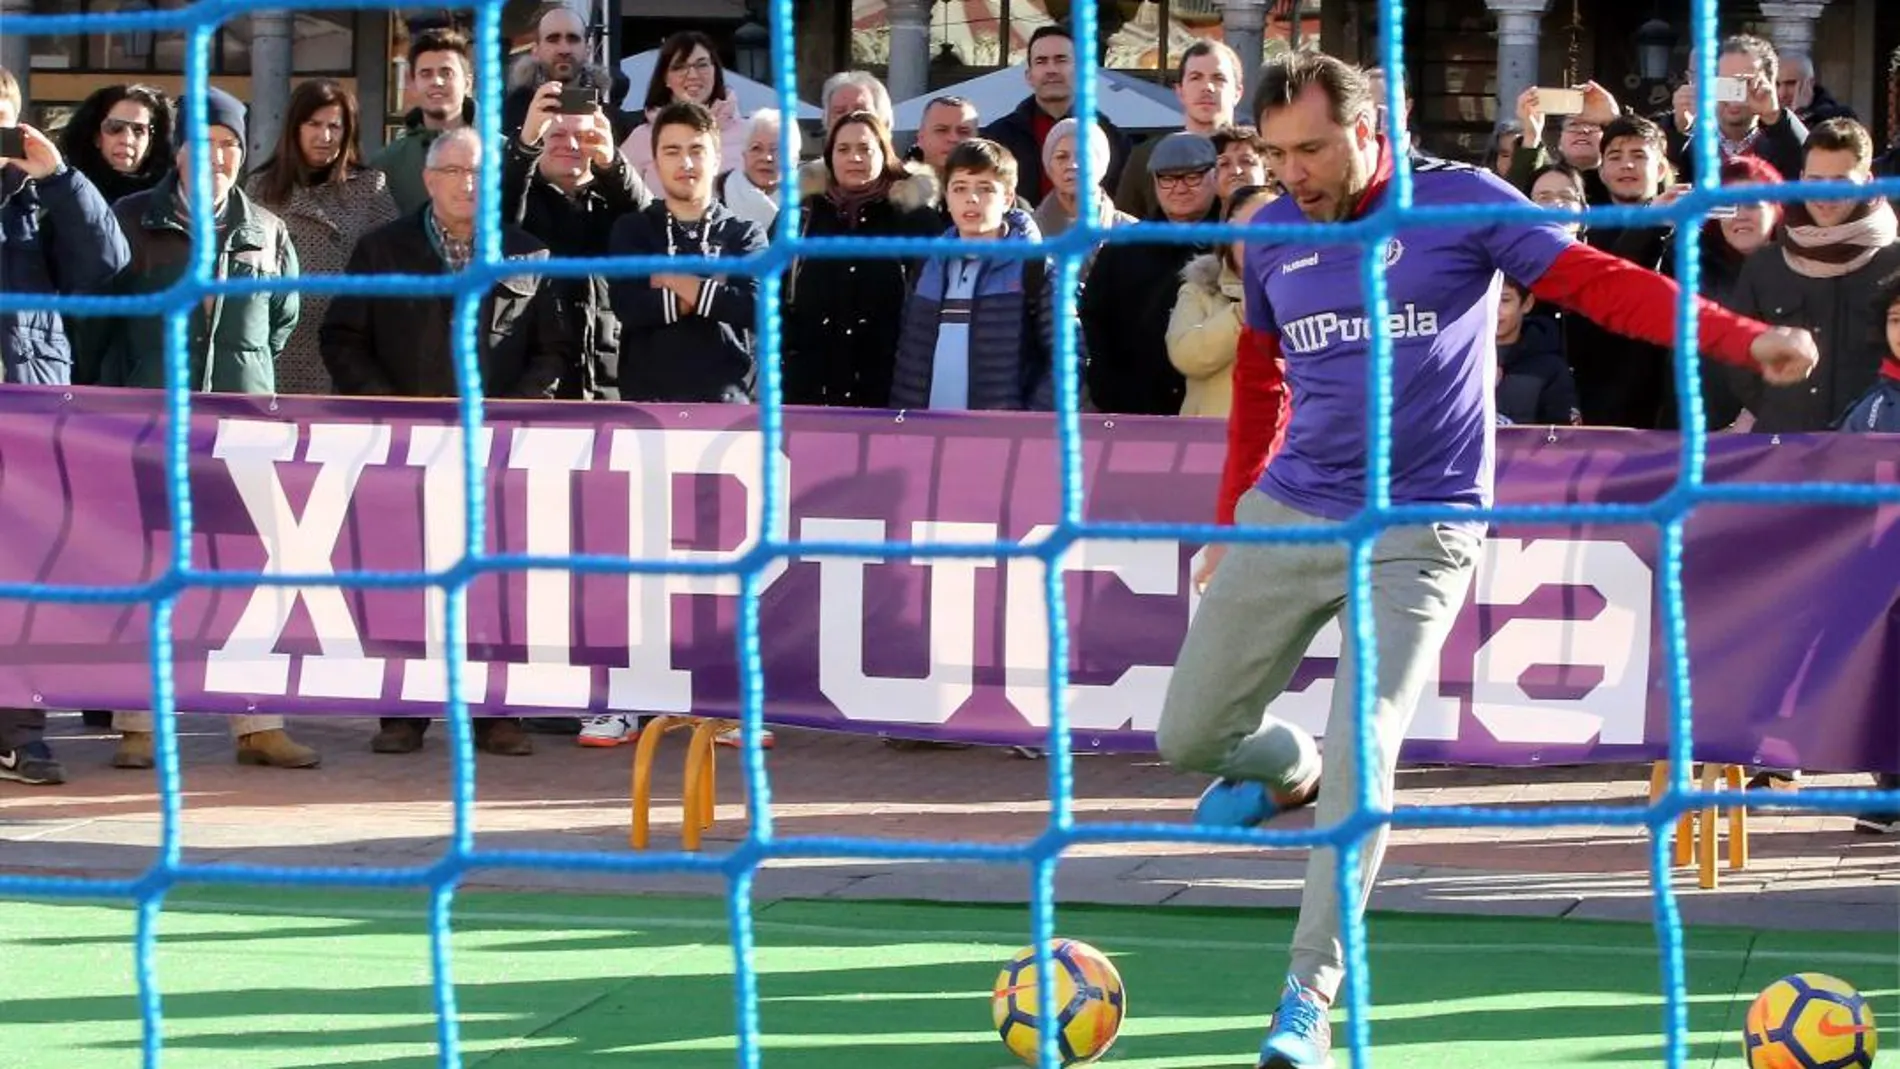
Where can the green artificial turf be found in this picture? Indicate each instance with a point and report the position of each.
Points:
(256, 979)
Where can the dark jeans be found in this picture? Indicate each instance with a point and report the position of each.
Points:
(21, 727)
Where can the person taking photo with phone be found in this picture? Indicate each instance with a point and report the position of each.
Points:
(57, 235)
(1749, 119)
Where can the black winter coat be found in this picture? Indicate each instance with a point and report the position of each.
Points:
(1846, 326)
(679, 354)
(402, 346)
(1622, 382)
(580, 226)
(842, 317)
(1721, 270)
(1780, 144)
(1534, 382)
(1126, 302)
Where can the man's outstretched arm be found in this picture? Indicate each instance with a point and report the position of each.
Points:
(1641, 304)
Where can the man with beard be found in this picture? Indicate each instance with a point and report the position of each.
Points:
(1050, 71)
(1210, 89)
(439, 80)
(1264, 602)
(559, 56)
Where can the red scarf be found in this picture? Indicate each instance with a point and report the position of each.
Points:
(1890, 367)
(1381, 177)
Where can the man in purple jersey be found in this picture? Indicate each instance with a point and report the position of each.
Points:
(1265, 603)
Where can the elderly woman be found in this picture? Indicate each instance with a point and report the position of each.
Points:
(1062, 162)
(750, 190)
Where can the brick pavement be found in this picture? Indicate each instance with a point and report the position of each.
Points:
(365, 809)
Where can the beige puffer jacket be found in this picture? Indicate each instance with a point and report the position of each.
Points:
(1204, 334)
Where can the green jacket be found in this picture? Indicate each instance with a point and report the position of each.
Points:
(234, 339)
(401, 160)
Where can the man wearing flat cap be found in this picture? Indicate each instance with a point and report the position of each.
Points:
(1131, 288)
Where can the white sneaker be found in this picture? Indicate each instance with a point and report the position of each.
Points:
(610, 730)
(733, 738)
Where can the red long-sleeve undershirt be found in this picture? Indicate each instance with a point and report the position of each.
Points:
(1612, 293)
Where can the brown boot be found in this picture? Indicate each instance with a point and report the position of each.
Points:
(135, 750)
(503, 737)
(275, 749)
(399, 735)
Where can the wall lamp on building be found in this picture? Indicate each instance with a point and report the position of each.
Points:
(1655, 45)
(138, 44)
(752, 44)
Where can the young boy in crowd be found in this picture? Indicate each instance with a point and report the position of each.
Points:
(977, 331)
(1535, 385)
(1878, 412)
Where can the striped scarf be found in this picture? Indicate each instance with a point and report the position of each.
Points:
(1816, 251)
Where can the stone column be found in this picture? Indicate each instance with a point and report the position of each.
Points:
(1791, 25)
(1520, 26)
(1244, 25)
(16, 50)
(270, 82)
(909, 74)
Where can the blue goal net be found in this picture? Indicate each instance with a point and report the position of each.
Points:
(199, 21)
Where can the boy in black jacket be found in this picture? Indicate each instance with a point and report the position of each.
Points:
(686, 338)
(1534, 382)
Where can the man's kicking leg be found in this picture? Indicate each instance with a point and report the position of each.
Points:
(1255, 622)
(1420, 576)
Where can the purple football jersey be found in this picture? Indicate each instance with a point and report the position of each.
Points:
(1442, 289)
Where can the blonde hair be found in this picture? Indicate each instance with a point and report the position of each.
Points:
(10, 90)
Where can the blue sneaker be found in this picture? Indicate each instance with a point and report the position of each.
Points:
(1232, 803)
(1301, 1037)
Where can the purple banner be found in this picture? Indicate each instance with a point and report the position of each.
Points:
(1794, 612)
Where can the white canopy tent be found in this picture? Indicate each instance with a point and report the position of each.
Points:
(751, 95)
(1127, 101)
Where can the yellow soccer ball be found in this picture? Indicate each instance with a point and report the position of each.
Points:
(1809, 1021)
(1090, 1002)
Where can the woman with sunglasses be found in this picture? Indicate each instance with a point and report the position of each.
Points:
(120, 138)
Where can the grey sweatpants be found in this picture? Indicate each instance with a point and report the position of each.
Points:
(1261, 611)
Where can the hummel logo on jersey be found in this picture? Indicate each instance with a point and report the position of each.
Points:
(1297, 265)
(1316, 332)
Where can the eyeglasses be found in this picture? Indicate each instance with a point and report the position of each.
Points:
(702, 66)
(1579, 127)
(1175, 181)
(119, 126)
(456, 174)
(1565, 198)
